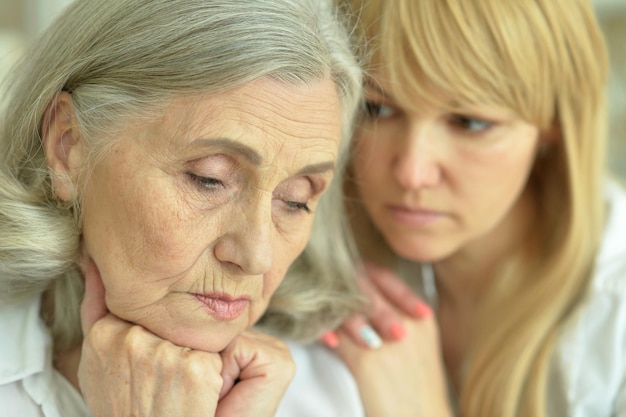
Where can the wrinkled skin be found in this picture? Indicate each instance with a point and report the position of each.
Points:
(126, 370)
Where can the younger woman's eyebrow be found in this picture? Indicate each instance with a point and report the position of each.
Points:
(371, 85)
(377, 89)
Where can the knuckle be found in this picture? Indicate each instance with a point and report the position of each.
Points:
(289, 368)
(135, 340)
(203, 369)
(278, 345)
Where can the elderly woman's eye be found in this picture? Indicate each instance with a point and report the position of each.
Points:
(205, 182)
(297, 206)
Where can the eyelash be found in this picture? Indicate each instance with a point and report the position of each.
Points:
(463, 122)
(212, 183)
(205, 182)
(297, 206)
(373, 110)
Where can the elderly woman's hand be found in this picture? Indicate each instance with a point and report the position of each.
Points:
(257, 370)
(126, 370)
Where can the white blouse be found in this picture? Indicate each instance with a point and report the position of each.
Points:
(29, 384)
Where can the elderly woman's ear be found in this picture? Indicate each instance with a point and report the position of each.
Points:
(64, 147)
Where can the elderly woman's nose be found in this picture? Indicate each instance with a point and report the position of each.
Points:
(248, 245)
(416, 162)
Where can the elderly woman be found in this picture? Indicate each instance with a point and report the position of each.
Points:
(173, 153)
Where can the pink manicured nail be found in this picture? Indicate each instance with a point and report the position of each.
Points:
(397, 331)
(330, 339)
(422, 310)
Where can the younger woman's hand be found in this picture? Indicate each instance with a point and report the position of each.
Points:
(403, 378)
(390, 299)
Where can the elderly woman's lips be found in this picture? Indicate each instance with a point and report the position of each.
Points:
(223, 307)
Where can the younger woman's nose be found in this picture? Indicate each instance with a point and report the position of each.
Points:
(416, 164)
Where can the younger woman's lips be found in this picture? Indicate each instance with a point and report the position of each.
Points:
(414, 217)
(221, 307)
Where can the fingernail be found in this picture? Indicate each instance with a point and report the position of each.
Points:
(330, 339)
(422, 310)
(397, 331)
(371, 338)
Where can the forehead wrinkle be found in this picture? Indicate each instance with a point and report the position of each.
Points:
(281, 105)
(272, 127)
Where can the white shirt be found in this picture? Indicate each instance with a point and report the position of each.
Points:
(587, 376)
(29, 384)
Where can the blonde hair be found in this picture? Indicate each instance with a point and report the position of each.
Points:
(125, 59)
(546, 60)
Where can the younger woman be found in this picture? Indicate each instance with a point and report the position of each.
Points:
(480, 161)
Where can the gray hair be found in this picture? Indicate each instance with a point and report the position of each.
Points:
(125, 59)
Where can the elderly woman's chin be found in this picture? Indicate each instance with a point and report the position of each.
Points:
(213, 337)
(205, 326)
(208, 321)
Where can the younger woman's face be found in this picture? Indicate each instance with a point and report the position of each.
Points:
(434, 181)
(194, 219)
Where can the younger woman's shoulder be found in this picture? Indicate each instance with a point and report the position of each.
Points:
(610, 267)
(588, 369)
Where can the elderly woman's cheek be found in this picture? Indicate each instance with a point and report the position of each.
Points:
(166, 235)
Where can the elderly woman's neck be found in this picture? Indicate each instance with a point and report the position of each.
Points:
(66, 362)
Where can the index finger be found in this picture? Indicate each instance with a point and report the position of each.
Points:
(397, 291)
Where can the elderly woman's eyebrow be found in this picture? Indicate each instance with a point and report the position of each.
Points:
(256, 159)
(319, 168)
(232, 146)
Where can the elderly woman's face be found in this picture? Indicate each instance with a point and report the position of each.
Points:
(194, 219)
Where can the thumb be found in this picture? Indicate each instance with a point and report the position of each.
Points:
(93, 306)
(256, 369)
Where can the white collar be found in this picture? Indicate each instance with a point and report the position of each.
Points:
(28, 340)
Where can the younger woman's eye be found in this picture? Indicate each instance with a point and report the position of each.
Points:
(205, 182)
(298, 206)
(375, 110)
(470, 124)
